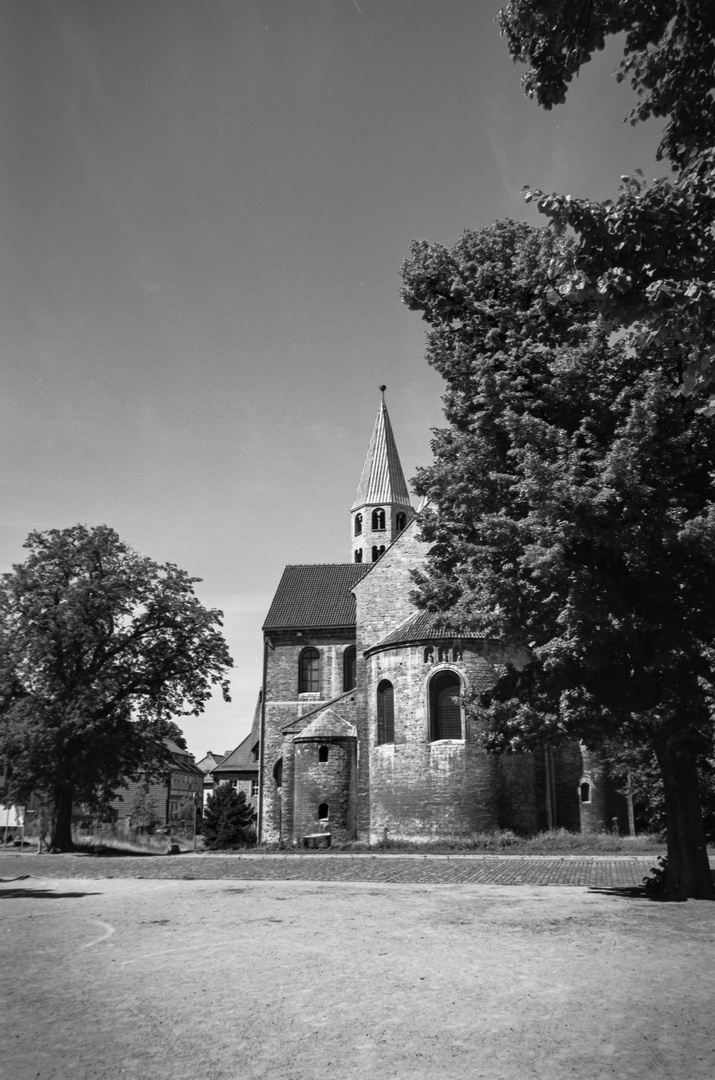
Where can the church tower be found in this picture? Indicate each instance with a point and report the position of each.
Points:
(382, 506)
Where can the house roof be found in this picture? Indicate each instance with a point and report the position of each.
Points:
(210, 761)
(382, 479)
(426, 625)
(241, 759)
(313, 596)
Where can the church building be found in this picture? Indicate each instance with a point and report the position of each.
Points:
(363, 732)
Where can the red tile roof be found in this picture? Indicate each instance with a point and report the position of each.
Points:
(313, 596)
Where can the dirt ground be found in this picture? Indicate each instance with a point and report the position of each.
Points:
(309, 981)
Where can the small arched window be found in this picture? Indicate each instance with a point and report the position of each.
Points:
(358, 555)
(378, 519)
(309, 680)
(278, 772)
(358, 524)
(323, 812)
(323, 754)
(349, 664)
(585, 791)
(385, 713)
(445, 706)
(377, 552)
(400, 521)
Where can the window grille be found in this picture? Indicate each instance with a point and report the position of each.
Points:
(445, 707)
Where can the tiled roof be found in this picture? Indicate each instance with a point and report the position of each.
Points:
(382, 479)
(425, 625)
(312, 596)
(241, 759)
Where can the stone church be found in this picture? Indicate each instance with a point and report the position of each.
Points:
(360, 727)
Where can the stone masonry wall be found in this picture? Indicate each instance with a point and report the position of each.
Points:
(331, 782)
(448, 788)
(284, 705)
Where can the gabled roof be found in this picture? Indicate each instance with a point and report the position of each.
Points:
(210, 761)
(313, 596)
(382, 479)
(425, 625)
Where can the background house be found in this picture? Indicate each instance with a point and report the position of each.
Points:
(240, 767)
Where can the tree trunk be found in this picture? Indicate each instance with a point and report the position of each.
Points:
(61, 833)
(688, 872)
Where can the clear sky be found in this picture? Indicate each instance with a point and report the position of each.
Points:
(204, 208)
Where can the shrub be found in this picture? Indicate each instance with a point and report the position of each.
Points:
(228, 819)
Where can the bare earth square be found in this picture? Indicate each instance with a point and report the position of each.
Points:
(218, 979)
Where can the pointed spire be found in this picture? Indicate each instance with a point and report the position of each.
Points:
(382, 479)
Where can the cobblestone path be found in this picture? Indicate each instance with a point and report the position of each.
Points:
(592, 871)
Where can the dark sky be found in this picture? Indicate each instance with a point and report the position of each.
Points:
(204, 209)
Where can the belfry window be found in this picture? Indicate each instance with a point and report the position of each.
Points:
(445, 706)
(377, 551)
(309, 678)
(400, 521)
(378, 519)
(385, 713)
(358, 555)
(349, 664)
(358, 524)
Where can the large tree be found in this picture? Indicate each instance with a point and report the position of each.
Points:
(649, 256)
(572, 513)
(99, 649)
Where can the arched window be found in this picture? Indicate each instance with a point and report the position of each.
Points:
(358, 524)
(400, 521)
(585, 791)
(349, 663)
(377, 552)
(378, 519)
(445, 708)
(385, 713)
(309, 681)
(358, 555)
(323, 812)
(323, 754)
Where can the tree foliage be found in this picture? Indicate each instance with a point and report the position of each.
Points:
(572, 514)
(649, 257)
(228, 820)
(99, 649)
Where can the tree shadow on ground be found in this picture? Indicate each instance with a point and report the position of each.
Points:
(640, 892)
(41, 894)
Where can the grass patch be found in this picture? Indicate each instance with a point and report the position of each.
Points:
(498, 842)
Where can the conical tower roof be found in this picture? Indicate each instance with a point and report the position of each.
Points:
(382, 479)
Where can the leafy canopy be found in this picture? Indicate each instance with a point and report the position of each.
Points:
(572, 510)
(100, 648)
(648, 258)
